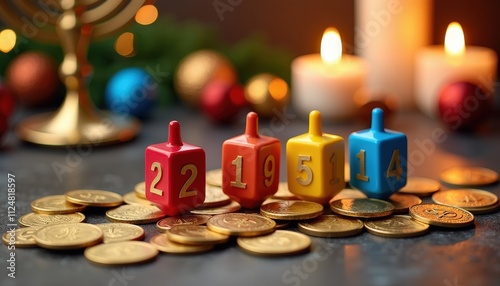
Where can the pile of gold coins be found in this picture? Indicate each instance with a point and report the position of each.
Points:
(57, 221)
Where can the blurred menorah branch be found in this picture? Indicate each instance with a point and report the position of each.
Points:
(74, 23)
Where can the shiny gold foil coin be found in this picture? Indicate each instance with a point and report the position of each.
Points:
(331, 226)
(21, 237)
(115, 232)
(214, 197)
(469, 176)
(94, 198)
(168, 222)
(441, 215)
(229, 208)
(469, 199)
(240, 224)
(162, 243)
(396, 226)
(280, 242)
(55, 205)
(485, 210)
(34, 219)
(136, 214)
(140, 190)
(121, 253)
(349, 194)
(402, 202)
(214, 177)
(195, 235)
(362, 208)
(132, 199)
(291, 210)
(420, 186)
(68, 236)
(284, 193)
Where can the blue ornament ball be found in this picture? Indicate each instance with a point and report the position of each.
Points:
(131, 91)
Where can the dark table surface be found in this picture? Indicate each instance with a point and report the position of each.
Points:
(442, 257)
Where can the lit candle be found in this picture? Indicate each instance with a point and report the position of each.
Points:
(327, 81)
(436, 66)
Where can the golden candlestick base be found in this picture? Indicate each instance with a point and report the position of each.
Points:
(74, 23)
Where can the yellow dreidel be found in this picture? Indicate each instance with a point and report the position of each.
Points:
(315, 163)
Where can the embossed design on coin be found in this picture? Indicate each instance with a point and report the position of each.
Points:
(162, 243)
(420, 186)
(136, 214)
(396, 226)
(441, 215)
(469, 199)
(68, 236)
(34, 219)
(195, 235)
(94, 198)
(291, 210)
(21, 237)
(55, 205)
(469, 176)
(121, 253)
(280, 242)
(362, 208)
(241, 224)
(115, 232)
(167, 223)
(331, 226)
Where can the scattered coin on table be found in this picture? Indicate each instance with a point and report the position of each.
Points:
(291, 210)
(136, 214)
(35, 219)
(162, 243)
(397, 226)
(195, 235)
(362, 208)
(21, 237)
(280, 242)
(121, 253)
(56, 204)
(420, 186)
(214, 177)
(441, 215)
(331, 226)
(402, 202)
(229, 208)
(94, 198)
(470, 199)
(469, 176)
(133, 199)
(240, 224)
(140, 190)
(115, 232)
(167, 223)
(68, 236)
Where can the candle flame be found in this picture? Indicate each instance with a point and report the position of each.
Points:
(454, 42)
(331, 46)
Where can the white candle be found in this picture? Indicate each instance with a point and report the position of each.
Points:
(388, 34)
(327, 82)
(437, 66)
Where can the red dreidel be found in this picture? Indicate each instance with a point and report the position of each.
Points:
(175, 174)
(250, 165)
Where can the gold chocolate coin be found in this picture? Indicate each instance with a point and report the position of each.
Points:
(133, 199)
(34, 219)
(468, 199)
(55, 205)
(195, 235)
(396, 226)
(280, 242)
(362, 208)
(469, 176)
(94, 198)
(441, 215)
(162, 243)
(291, 210)
(68, 236)
(121, 253)
(168, 222)
(402, 202)
(331, 226)
(214, 177)
(284, 193)
(140, 190)
(21, 237)
(349, 194)
(136, 214)
(214, 197)
(115, 232)
(229, 208)
(420, 186)
(240, 224)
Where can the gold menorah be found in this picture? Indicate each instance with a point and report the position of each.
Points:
(73, 23)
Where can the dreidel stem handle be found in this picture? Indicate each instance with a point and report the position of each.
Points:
(174, 134)
(378, 120)
(252, 125)
(315, 127)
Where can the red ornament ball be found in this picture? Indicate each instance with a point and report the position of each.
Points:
(221, 101)
(463, 105)
(33, 79)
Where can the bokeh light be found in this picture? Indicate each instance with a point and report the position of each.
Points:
(146, 15)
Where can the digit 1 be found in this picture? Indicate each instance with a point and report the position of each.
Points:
(238, 162)
(361, 176)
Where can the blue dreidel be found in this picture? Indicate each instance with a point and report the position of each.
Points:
(377, 158)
